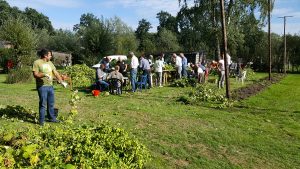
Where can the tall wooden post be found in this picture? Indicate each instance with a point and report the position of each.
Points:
(269, 35)
(284, 35)
(224, 49)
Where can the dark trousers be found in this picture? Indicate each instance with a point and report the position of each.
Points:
(147, 72)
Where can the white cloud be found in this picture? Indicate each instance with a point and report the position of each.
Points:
(146, 9)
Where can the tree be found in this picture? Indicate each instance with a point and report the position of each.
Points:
(96, 38)
(209, 12)
(166, 21)
(23, 39)
(86, 20)
(167, 41)
(123, 36)
(43, 38)
(64, 41)
(97, 42)
(38, 20)
(142, 34)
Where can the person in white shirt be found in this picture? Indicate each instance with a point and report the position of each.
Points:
(133, 72)
(221, 68)
(178, 64)
(159, 64)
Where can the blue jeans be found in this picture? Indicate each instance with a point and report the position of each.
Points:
(103, 85)
(147, 72)
(133, 73)
(46, 96)
(184, 71)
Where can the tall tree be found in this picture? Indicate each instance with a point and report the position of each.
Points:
(38, 20)
(166, 21)
(64, 41)
(235, 11)
(23, 39)
(142, 34)
(86, 20)
(123, 36)
(167, 41)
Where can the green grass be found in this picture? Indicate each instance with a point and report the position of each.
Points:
(260, 132)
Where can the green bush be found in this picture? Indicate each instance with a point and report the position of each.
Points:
(82, 75)
(250, 75)
(205, 94)
(185, 82)
(19, 75)
(85, 146)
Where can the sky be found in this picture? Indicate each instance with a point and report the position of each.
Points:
(66, 13)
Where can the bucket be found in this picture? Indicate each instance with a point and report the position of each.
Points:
(95, 92)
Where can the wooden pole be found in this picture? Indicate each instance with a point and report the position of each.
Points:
(284, 54)
(224, 49)
(269, 35)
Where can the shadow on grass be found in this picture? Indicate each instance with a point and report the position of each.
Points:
(18, 112)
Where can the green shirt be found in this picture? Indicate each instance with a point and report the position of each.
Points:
(44, 67)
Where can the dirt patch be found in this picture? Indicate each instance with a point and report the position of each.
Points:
(181, 163)
(253, 89)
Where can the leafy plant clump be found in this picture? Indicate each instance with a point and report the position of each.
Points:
(206, 94)
(98, 146)
(19, 75)
(81, 75)
(184, 82)
(250, 75)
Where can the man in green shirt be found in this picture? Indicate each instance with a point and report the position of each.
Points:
(44, 71)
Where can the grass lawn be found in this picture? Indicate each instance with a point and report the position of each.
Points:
(260, 132)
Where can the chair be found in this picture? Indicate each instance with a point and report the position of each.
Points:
(115, 86)
(143, 81)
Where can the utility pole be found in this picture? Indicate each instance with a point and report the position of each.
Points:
(284, 55)
(269, 35)
(225, 48)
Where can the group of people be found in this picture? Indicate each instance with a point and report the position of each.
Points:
(44, 71)
(104, 74)
(142, 63)
(145, 65)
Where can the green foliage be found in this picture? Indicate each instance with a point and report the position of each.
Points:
(5, 55)
(38, 20)
(82, 75)
(84, 146)
(73, 103)
(23, 39)
(167, 41)
(204, 93)
(185, 82)
(169, 67)
(64, 41)
(123, 36)
(96, 38)
(250, 75)
(19, 75)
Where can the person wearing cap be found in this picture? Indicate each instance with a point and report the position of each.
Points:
(133, 72)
